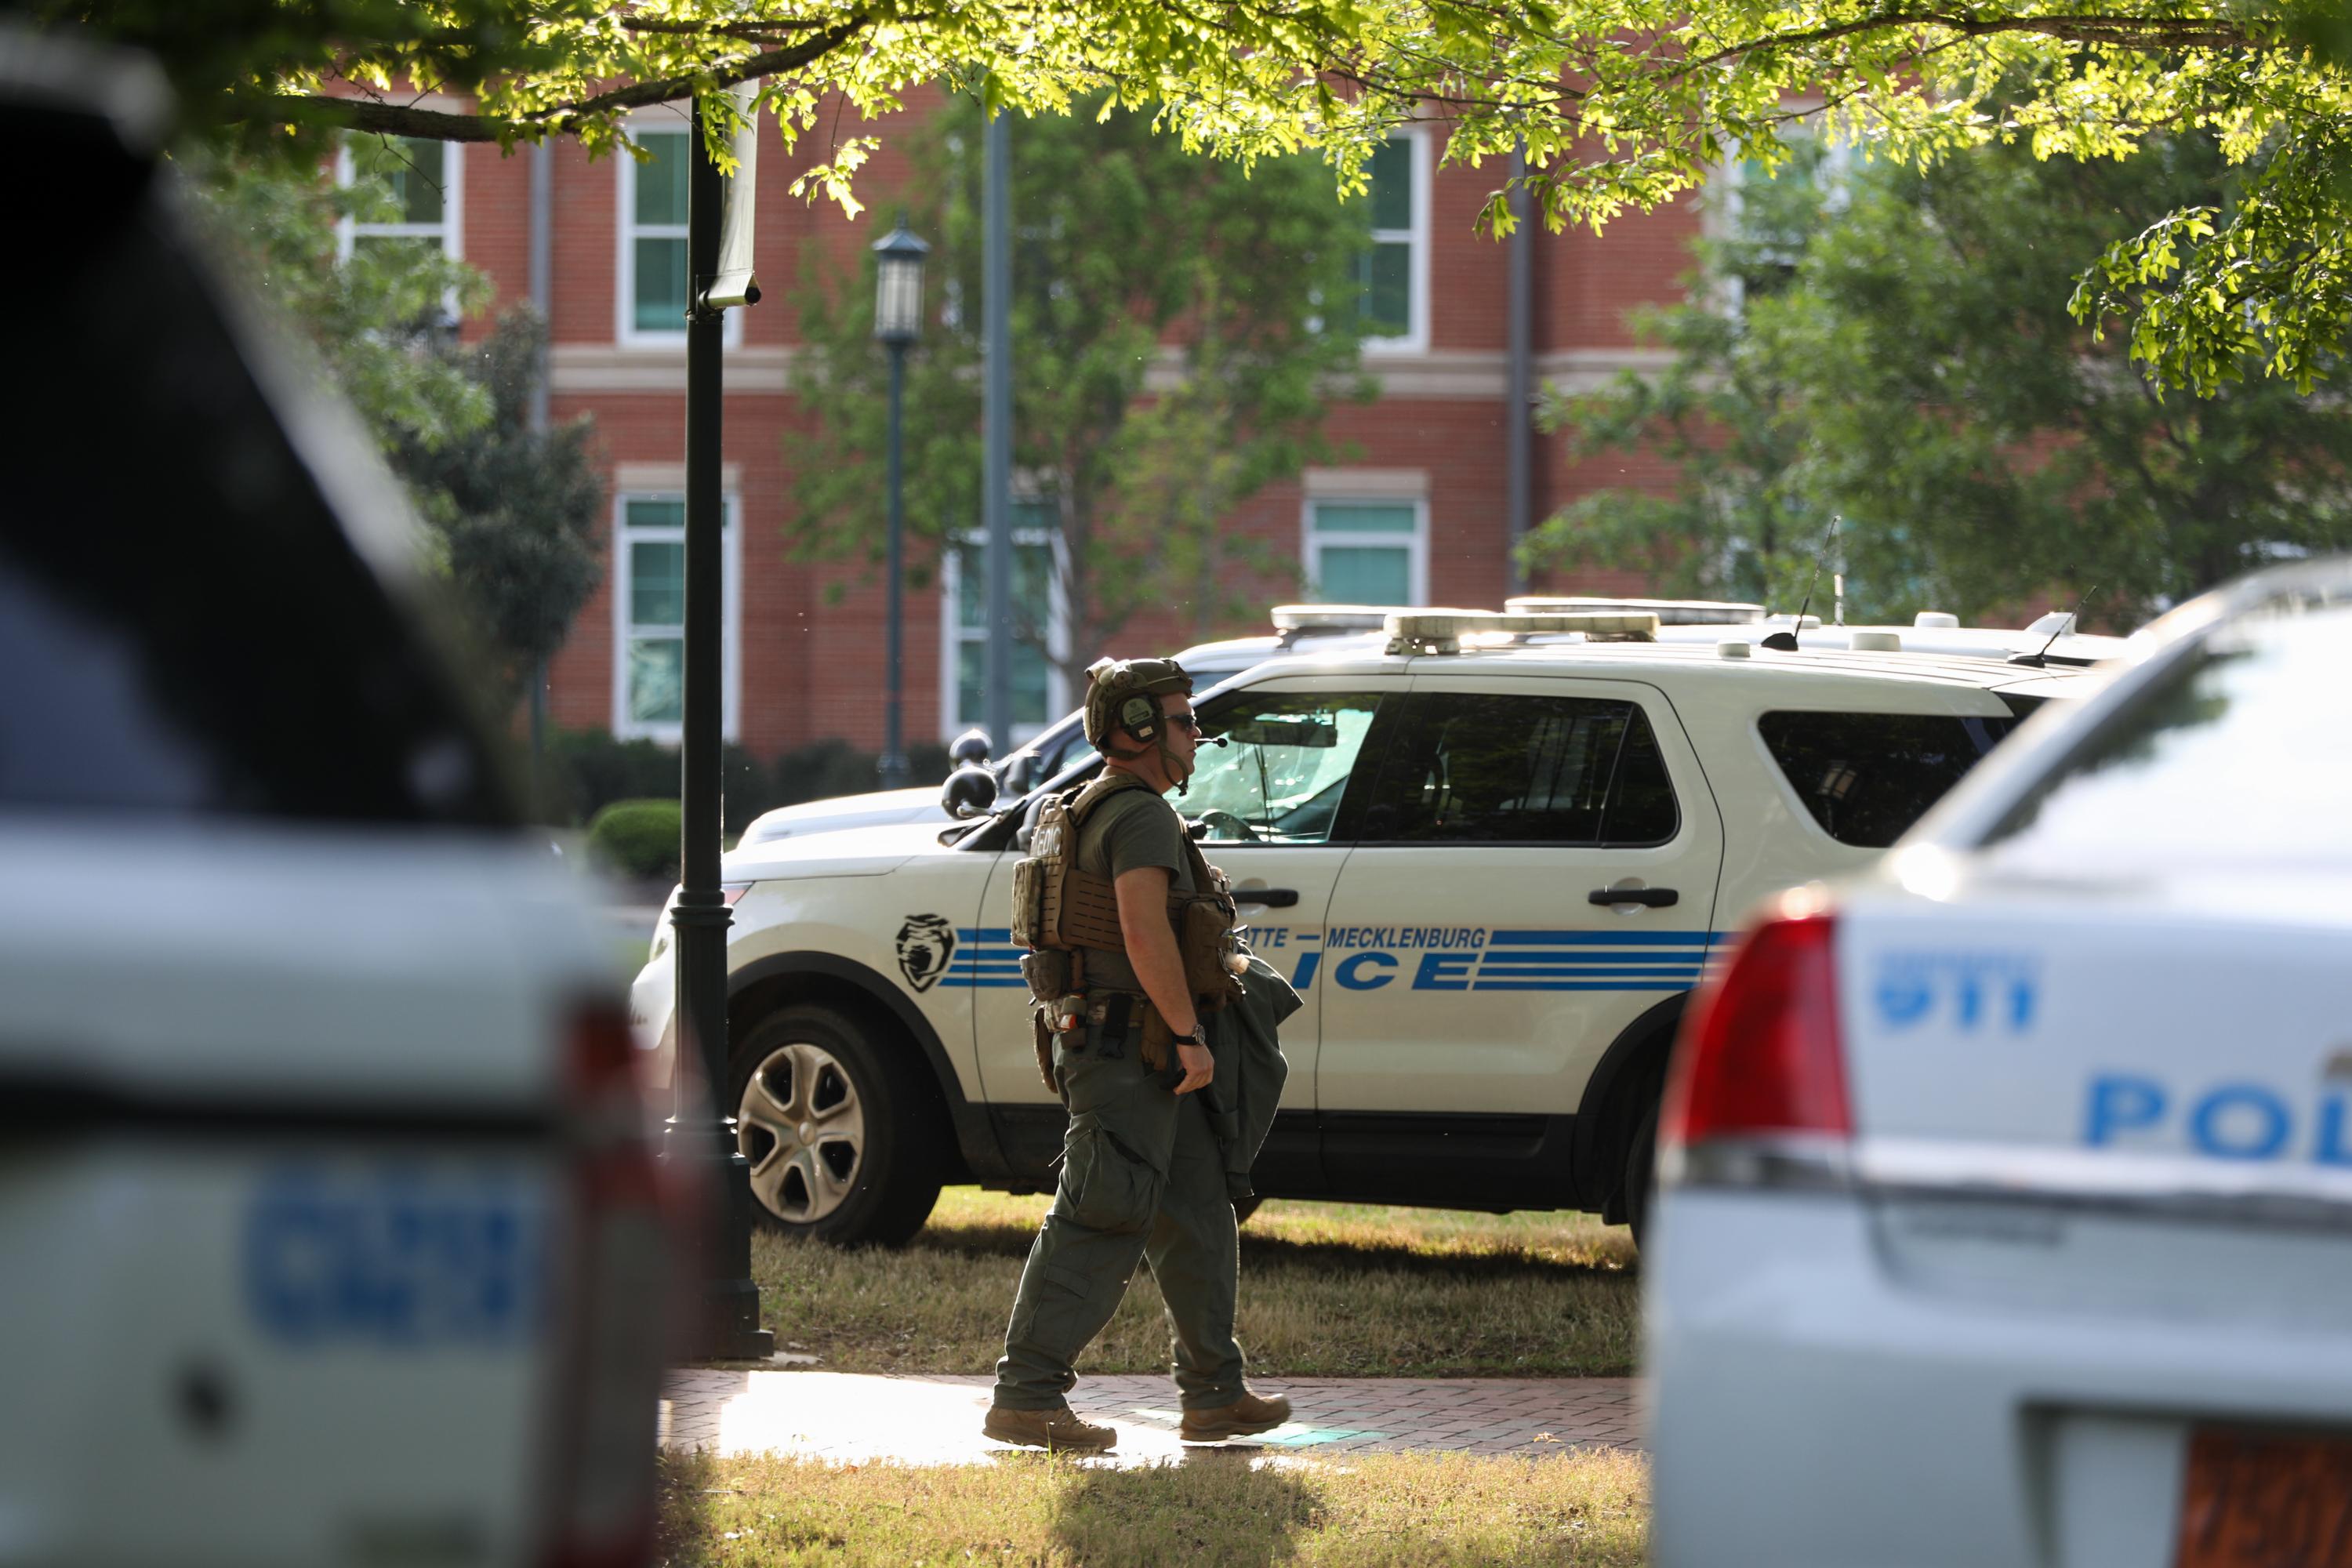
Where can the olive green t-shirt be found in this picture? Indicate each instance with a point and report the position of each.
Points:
(1129, 828)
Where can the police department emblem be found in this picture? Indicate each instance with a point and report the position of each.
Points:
(926, 942)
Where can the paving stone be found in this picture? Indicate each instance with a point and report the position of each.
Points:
(934, 1418)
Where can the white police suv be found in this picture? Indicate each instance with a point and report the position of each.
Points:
(1492, 862)
(2008, 1188)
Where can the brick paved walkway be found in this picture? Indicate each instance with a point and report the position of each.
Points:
(935, 1419)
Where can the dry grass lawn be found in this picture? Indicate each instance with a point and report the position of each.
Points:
(1328, 1290)
(1378, 1510)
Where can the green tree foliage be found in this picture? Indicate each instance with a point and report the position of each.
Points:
(513, 517)
(519, 513)
(372, 321)
(1135, 454)
(1901, 355)
(1618, 103)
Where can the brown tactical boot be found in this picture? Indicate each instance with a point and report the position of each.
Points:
(1244, 1417)
(1055, 1429)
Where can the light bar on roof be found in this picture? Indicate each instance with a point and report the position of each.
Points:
(1670, 612)
(1443, 631)
(1332, 618)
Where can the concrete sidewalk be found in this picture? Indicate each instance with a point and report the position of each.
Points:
(935, 1419)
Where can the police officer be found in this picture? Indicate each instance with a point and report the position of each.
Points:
(1142, 1175)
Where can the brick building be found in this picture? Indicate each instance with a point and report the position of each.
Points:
(1420, 514)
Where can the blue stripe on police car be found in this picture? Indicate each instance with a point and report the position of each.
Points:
(1445, 957)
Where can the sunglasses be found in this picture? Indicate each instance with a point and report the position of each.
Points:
(1187, 720)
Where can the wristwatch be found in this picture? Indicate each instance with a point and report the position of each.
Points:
(1199, 1034)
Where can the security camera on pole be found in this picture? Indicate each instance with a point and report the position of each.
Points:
(719, 259)
(898, 322)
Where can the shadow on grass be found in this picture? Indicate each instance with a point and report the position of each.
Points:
(1214, 1507)
(1274, 1253)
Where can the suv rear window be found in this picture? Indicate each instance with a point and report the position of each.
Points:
(1868, 777)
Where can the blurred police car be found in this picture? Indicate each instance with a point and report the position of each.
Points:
(1299, 629)
(2007, 1189)
(331, 1229)
(1489, 855)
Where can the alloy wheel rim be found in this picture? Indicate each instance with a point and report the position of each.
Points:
(801, 1124)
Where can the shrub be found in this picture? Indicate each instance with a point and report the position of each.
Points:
(636, 838)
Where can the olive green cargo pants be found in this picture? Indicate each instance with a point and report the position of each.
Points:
(1142, 1177)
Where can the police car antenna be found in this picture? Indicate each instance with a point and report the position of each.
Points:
(2040, 657)
(1786, 642)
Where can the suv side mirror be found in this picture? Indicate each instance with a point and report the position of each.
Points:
(970, 791)
(970, 747)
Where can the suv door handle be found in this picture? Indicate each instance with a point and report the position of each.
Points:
(1656, 897)
(1272, 898)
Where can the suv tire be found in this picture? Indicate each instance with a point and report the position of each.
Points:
(844, 1145)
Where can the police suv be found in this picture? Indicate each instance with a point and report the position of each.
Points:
(1492, 856)
(2007, 1187)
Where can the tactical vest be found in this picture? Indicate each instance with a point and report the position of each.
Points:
(1060, 911)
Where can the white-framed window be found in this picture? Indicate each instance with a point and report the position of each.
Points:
(1763, 212)
(1038, 690)
(649, 616)
(1369, 552)
(1393, 274)
(428, 192)
(651, 278)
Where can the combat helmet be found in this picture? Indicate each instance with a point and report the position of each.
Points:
(1122, 694)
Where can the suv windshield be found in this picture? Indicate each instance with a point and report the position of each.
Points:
(2241, 751)
(1281, 774)
(1868, 777)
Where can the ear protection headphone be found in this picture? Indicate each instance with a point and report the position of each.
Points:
(1139, 716)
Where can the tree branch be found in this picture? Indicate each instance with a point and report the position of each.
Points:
(374, 116)
(2144, 32)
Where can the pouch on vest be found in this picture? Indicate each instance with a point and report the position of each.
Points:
(1212, 951)
(1205, 936)
(1041, 1033)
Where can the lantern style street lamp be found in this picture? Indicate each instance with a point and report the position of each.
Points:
(898, 322)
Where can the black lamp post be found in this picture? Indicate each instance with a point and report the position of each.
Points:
(898, 322)
(730, 1318)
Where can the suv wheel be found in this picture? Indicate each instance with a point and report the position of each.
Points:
(841, 1148)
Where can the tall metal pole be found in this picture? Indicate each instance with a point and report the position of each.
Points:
(542, 293)
(894, 738)
(731, 1325)
(1517, 466)
(996, 419)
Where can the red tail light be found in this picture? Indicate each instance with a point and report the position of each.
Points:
(1759, 1051)
(614, 1294)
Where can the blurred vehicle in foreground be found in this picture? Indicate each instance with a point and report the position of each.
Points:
(332, 1229)
(2006, 1191)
